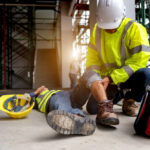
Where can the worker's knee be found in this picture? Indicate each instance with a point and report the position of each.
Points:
(144, 72)
(143, 76)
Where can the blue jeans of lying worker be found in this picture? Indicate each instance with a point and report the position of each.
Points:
(61, 101)
(135, 87)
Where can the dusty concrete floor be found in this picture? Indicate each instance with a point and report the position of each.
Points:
(33, 133)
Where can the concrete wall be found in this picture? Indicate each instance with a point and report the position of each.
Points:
(45, 30)
(45, 41)
(130, 8)
(63, 34)
(93, 6)
(66, 43)
(58, 47)
(46, 70)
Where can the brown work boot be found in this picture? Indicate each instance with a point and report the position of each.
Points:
(106, 115)
(130, 108)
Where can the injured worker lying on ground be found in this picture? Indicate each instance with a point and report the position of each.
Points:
(60, 114)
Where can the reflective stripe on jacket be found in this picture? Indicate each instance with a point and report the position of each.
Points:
(43, 98)
(118, 54)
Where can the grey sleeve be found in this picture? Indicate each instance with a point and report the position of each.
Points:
(90, 76)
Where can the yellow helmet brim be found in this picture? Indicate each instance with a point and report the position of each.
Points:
(16, 115)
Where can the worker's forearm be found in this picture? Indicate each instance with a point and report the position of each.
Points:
(98, 91)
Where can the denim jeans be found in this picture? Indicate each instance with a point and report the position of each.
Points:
(61, 101)
(135, 87)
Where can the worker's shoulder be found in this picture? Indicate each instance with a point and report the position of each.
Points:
(135, 26)
(138, 25)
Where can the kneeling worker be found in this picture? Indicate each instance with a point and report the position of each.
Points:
(116, 61)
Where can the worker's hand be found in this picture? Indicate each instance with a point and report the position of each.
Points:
(39, 90)
(105, 81)
(96, 84)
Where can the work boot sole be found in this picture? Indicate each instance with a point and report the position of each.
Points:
(67, 123)
(107, 121)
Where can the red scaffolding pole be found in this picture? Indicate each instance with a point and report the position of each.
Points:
(4, 44)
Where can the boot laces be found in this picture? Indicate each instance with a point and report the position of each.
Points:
(106, 106)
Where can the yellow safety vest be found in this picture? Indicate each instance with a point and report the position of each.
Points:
(43, 98)
(118, 54)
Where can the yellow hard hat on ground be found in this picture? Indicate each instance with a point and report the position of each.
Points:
(16, 106)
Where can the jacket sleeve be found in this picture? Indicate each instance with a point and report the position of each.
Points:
(138, 53)
(92, 62)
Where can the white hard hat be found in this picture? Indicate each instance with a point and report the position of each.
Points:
(110, 13)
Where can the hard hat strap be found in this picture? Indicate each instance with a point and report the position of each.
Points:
(18, 107)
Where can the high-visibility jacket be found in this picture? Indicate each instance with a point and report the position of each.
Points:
(117, 54)
(43, 98)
